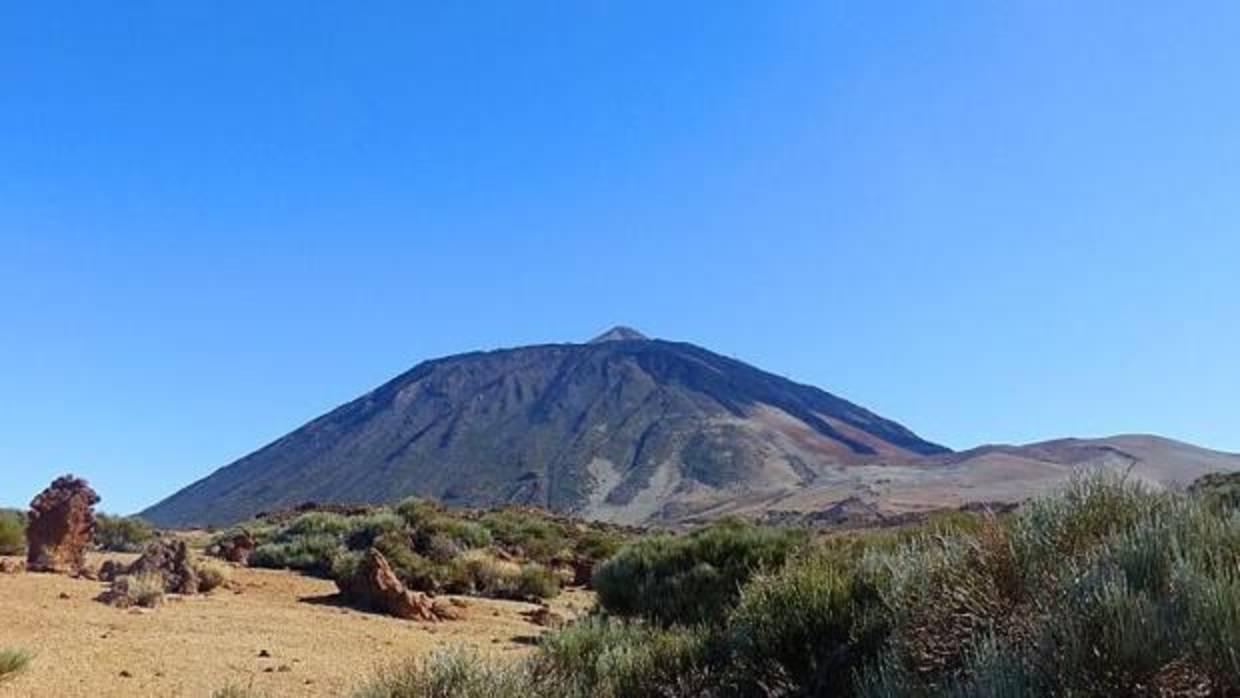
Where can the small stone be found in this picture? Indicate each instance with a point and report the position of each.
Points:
(284, 668)
(65, 596)
(125, 674)
(264, 653)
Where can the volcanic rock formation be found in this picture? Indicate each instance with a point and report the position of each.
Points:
(60, 526)
(375, 587)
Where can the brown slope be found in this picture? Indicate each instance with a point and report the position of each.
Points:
(998, 473)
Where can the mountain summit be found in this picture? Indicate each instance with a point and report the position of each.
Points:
(619, 333)
(614, 429)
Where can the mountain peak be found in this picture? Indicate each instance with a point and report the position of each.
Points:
(619, 333)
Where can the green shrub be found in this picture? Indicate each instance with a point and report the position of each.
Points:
(537, 582)
(122, 534)
(478, 573)
(464, 535)
(1219, 491)
(12, 532)
(363, 531)
(313, 554)
(317, 523)
(598, 545)
(454, 673)
(527, 534)
(694, 578)
(1099, 590)
(145, 589)
(415, 571)
(804, 630)
(12, 662)
(611, 659)
(212, 574)
(1214, 623)
(418, 512)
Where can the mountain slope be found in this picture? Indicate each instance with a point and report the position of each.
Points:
(623, 428)
(995, 473)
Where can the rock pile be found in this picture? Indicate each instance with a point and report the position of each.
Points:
(60, 526)
(375, 587)
(172, 560)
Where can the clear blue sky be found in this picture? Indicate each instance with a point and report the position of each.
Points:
(993, 222)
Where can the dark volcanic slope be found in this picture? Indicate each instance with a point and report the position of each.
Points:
(623, 428)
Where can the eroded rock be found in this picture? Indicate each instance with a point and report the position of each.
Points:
(237, 549)
(60, 526)
(172, 560)
(375, 587)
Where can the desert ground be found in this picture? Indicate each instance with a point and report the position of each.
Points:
(275, 631)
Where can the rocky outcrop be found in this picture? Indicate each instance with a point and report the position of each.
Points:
(60, 526)
(375, 587)
(110, 570)
(236, 549)
(172, 560)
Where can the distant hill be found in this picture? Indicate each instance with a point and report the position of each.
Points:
(623, 428)
(988, 474)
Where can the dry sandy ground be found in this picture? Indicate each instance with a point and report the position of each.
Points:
(194, 645)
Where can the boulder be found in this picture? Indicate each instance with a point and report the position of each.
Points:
(375, 587)
(61, 526)
(238, 548)
(172, 560)
(110, 570)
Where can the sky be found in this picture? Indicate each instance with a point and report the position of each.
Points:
(992, 222)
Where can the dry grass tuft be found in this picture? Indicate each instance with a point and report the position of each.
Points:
(12, 662)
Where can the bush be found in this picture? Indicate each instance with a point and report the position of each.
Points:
(804, 630)
(611, 659)
(455, 673)
(1103, 589)
(415, 571)
(460, 534)
(12, 532)
(122, 534)
(363, 531)
(12, 662)
(418, 512)
(691, 579)
(146, 590)
(537, 582)
(527, 534)
(312, 553)
(598, 545)
(317, 523)
(212, 574)
(1220, 491)
(479, 573)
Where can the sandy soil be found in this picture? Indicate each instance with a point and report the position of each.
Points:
(192, 646)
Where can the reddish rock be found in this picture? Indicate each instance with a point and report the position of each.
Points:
(12, 566)
(172, 560)
(238, 548)
(60, 526)
(375, 587)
